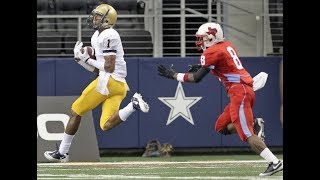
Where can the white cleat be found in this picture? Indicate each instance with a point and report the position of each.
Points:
(139, 103)
(55, 156)
(272, 168)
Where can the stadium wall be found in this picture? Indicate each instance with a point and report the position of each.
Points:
(182, 114)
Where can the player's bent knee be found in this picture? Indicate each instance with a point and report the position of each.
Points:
(106, 126)
(218, 128)
(76, 112)
(224, 131)
(75, 115)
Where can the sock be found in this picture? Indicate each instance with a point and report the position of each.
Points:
(65, 143)
(269, 156)
(125, 112)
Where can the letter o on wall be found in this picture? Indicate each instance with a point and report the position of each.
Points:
(42, 119)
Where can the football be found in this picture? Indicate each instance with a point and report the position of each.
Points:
(90, 51)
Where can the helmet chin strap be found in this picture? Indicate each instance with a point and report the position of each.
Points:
(102, 19)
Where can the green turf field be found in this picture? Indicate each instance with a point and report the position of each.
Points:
(176, 167)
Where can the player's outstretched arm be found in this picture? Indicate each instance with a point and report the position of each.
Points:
(194, 68)
(200, 74)
(183, 77)
(166, 72)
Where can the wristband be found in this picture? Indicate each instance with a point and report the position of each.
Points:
(182, 77)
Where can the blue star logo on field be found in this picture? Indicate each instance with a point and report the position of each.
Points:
(180, 105)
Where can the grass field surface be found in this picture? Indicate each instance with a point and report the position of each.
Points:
(234, 167)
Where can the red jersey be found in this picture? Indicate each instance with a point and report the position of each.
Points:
(225, 64)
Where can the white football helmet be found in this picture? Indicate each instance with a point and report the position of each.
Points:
(208, 34)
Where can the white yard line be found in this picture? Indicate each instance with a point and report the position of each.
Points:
(85, 176)
(147, 163)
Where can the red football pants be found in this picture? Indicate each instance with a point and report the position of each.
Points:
(238, 111)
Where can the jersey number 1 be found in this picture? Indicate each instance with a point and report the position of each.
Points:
(235, 58)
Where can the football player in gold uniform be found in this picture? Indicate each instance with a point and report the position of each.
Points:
(108, 89)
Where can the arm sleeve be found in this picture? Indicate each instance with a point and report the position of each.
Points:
(202, 72)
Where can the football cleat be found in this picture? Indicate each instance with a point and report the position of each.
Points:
(258, 128)
(139, 103)
(272, 168)
(55, 156)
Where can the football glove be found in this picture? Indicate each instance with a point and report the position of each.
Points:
(84, 56)
(166, 72)
(194, 68)
(76, 50)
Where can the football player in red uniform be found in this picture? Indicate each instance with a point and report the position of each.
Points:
(221, 59)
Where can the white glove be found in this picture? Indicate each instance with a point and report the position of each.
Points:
(84, 56)
(76, 49)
